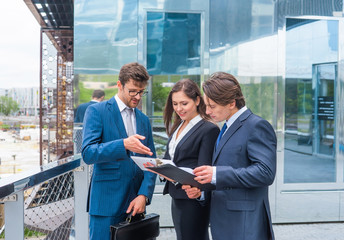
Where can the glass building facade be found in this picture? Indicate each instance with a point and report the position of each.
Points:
(288, 56)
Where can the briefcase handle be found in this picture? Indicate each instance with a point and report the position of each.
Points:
(138, 216)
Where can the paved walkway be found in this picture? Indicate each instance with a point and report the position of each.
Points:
(316, 231)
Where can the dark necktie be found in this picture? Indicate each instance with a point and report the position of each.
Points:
(221, 133)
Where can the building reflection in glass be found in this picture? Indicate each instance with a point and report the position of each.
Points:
(311, 74)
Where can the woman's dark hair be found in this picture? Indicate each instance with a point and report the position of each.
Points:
(192, 91)
(223, 88)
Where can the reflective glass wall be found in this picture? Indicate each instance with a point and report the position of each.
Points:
(173, 44)
(287, 54)
(105, 39)
(311, 78)
(239, 47)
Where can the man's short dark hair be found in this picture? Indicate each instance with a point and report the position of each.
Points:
(134, 71)
(223, 88)
(98, 94)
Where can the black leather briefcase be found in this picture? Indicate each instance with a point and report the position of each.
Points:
(139, 227)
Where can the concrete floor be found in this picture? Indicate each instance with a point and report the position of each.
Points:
(316, 231)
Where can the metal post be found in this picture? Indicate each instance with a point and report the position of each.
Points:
(41, 103)
(81, 183)
(14, 216)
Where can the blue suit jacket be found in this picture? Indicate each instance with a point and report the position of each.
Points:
(245, 161)
(116, 179)
(80, 111)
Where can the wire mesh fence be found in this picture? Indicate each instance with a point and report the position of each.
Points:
(49, 209)
(77, 137)
(49, 206)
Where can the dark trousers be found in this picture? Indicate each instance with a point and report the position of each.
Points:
(190, 219)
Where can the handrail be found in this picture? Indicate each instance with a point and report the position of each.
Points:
(25, 180)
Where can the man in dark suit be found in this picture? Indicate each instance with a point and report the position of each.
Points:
(113, 131)
(243, 165)
(97, 96)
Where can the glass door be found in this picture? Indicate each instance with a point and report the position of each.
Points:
(324, 110)
(310, 189)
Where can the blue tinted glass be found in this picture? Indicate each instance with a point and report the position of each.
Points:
(173, 43)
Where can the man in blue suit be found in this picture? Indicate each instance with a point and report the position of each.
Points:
(113, 131)
(243, 165)
(97, 96)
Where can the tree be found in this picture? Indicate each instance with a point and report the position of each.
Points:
(8, 105)
(159, 97)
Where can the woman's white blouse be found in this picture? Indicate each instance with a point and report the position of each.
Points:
(174, 141)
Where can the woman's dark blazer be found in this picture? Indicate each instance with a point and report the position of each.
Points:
(195, 149)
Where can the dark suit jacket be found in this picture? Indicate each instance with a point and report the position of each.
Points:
(195, 149)
(245, 161)
(116, 179)
(80, 111)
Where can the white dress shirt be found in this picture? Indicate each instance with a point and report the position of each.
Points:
(174, 140)
(122, 107)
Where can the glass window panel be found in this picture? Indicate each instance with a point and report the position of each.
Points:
(173, 53)
(173, 43)
(311, 55)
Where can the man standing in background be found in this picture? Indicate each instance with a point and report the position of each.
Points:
(97, 96)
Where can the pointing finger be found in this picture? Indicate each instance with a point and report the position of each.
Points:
(139, 136)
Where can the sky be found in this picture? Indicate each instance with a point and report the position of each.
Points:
(19, 46)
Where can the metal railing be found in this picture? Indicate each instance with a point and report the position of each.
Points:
(47, 203)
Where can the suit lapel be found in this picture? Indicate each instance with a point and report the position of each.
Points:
(231, 130)
(186, 136)
(117, 117)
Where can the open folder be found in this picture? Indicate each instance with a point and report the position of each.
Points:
(169, 169)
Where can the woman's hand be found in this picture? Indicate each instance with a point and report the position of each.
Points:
(192, 192)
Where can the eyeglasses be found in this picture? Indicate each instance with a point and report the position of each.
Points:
(133, 93)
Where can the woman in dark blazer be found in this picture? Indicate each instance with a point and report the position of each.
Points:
(191, 142)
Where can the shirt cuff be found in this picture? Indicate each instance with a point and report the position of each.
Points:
(213, 179)
(201, 198)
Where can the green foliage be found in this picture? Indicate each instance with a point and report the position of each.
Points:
(27, 233)
(159, 97)
(5, 126)
(8, 105)
(86, 94)
(30, 233)
(259, 97)
(304, 97)
(110, 92)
